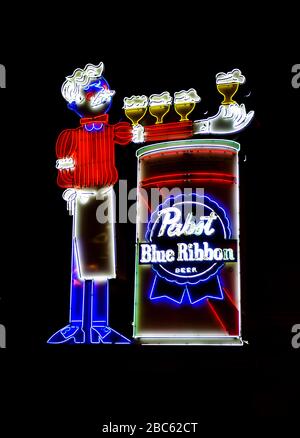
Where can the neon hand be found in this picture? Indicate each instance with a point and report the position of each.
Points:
(229, 119)
(65, 163)
(138, 134)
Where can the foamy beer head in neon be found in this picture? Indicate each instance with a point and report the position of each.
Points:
(234, 76)
(87, 91)
(135, 102)
(188, 239)
(189, 96)
(160, 99)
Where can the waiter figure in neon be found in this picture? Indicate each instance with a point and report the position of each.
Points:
(87, 172)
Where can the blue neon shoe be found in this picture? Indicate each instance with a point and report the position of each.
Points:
(70, 334)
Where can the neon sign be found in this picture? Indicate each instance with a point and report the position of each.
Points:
(231, 117)
(185, 253)
(188, 251)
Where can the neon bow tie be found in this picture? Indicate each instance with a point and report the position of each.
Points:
(103, 118)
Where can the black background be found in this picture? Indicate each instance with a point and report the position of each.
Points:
(78, 388)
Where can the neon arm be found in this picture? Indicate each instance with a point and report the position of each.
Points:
(229, 119)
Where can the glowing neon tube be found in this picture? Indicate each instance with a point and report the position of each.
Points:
(187, 284)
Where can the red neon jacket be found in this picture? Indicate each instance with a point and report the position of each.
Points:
(93, 153)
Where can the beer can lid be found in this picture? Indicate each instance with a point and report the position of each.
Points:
(188, 144)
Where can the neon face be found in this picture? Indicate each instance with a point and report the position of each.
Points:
(97, 99)
(98, 93)
(87, 92)
(97, 85)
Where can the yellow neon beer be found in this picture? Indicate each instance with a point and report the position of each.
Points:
(228, 91)
(184, 102)
(228, 84)
(135, 108)
(159, 105)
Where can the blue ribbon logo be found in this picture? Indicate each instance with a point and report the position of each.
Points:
(188, 241)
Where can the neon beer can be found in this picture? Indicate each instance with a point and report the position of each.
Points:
(187, 273)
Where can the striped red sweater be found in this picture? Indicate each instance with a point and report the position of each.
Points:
(93, 152)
